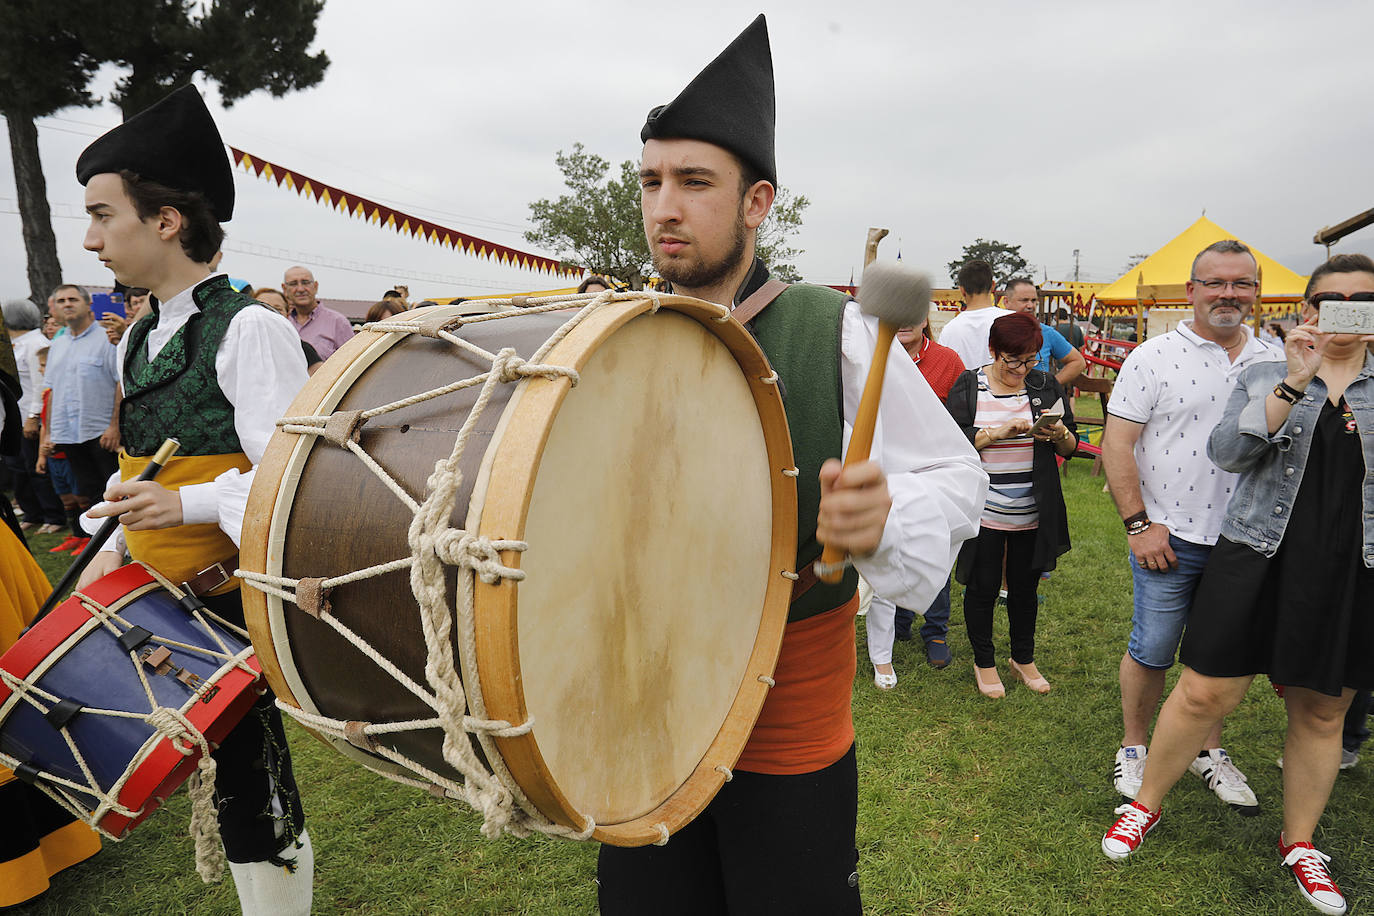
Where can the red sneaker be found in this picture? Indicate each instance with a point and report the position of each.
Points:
(1309, 868)
(79, 546)
(66, 545)
(1129, 830)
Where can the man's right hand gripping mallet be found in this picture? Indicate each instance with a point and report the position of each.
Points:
(899, 297)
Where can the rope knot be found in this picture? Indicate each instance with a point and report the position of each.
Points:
(507, 365)
(175, 727)
(480, 554)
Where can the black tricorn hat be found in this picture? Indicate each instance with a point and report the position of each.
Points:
(730, 103)
(175, 143)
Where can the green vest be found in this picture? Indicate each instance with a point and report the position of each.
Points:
(178, 393)
(800, 333)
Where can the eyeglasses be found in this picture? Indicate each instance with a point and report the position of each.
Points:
(1240, 286)
(298, 282)
(1019, 363)
(1317, 300)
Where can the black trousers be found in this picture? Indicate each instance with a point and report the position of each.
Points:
(1356, 731)
(765, 845)
(984, 584)
(260, 813)
(91, 465)
(33, 491)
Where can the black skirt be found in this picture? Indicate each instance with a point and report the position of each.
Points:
(1305, 616)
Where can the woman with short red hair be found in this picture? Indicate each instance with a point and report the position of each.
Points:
(1024, 519)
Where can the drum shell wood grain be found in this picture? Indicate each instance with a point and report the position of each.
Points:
(315, 511)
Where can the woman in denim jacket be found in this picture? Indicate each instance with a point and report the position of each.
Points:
(1289, 588)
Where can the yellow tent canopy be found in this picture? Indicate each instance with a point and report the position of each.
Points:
(1169, 266)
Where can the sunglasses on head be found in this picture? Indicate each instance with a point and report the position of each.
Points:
(1362, 296)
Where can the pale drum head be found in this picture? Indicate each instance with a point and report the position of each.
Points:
(658, 519)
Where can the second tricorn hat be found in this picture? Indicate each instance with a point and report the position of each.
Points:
(174, 142)
(730, 103)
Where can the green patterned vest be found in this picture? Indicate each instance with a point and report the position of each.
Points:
(178, 393)
(800, 333)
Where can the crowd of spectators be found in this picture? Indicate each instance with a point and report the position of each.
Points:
(1236, 461)
(67, 421)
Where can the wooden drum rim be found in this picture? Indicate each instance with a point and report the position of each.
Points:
(511, 468)
(500, 504)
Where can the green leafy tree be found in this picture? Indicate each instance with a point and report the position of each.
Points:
(49, 49)
(598, 224)
(44, 67)
(1005, 259)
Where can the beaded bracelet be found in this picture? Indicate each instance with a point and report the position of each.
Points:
(1136, 523)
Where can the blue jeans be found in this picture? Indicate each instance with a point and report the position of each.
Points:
(1162, 600)
(936, 624)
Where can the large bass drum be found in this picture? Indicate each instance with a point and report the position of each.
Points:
(537, 559)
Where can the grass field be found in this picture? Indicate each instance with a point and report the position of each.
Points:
(966, 806)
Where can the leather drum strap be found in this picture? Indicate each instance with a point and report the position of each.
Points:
(745, 312)
(806, 577)
(758, 300)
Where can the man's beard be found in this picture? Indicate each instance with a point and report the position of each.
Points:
(697, 274)
(1227, 320)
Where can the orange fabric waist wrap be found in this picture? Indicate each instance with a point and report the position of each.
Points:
(180, 553)
(806, 723)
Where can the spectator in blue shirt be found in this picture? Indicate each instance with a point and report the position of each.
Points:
(83, 414)
(1021, 295)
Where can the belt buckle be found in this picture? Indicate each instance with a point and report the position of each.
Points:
(202, 587)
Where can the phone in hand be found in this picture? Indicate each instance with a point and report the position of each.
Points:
(1046, 420)
(103, 304)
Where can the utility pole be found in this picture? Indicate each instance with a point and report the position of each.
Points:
(1075, 265)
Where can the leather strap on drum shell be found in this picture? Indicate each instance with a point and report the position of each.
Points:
(312, 597)
(757, 301)
(343, 427)
(806, 577)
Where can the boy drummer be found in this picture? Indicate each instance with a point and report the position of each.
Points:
(214, 369)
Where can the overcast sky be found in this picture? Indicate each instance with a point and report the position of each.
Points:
(1098, 126)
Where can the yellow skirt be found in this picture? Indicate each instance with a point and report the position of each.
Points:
(37, 838)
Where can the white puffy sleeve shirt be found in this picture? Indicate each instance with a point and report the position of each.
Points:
(936, 481)
(261, 368)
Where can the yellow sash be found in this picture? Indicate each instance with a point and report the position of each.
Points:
(181, 552)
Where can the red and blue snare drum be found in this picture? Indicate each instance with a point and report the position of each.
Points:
(83, 693)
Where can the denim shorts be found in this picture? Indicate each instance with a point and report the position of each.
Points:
(1162, 600)
(62, 476)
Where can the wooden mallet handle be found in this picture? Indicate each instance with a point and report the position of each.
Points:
(898, 297)
(830, 568)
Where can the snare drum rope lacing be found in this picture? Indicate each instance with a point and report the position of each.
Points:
(169, 723)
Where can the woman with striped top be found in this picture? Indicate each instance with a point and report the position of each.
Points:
(1024, 519)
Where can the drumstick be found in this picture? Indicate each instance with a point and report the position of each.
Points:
(164, 454)
(899, 297)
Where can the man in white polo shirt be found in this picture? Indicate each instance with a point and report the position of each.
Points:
(1169, 395)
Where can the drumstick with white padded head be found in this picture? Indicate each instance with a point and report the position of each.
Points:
(899, 297)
